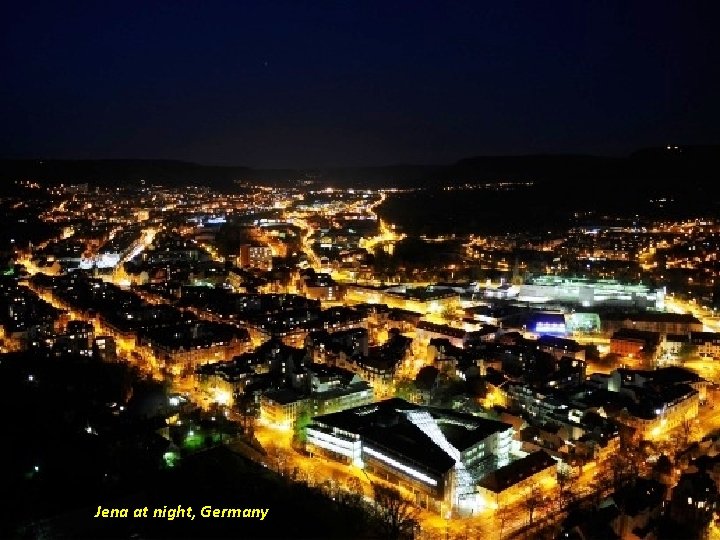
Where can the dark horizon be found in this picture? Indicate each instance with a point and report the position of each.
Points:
(303, 86)
(700, 148)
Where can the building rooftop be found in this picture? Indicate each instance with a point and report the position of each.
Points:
(517, 471)
(466, 436)
(569, 345)
(442, 329)
(653, 316)
(423, 294)
(387, 425)
(284, 396)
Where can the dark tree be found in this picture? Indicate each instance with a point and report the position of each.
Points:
(592, 354)
(426, 377)
(503, 515)
(663, 467)
(687, 351)
(533, 500)
(448, 313)
(565, 494)
(247, 408)
(396, 517)
(601, 485)
(405, 388)
(624, 467)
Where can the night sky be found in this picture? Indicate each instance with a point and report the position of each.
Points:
(297, 84)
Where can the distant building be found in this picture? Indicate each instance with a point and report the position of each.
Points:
(662, 323)
(403, 319)
(255, 255)
(314, 389)
(495, 315)
(653, 403)
(560, 347)
(673, 343)
(322, 287)
(422, 299)
(635, 343)
(381, 362)
(184, 347)
(588, 292)
(541, 406)
(333, 390)
(427, 331)
(81, 331)
(707, 343)
(546, 323)
(105, 348)
(325, 346)
(282, 407)
(419, 299)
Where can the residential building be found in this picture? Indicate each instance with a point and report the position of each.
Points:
(515, 480)
(707, 343)
(255, 255)
(635, 343)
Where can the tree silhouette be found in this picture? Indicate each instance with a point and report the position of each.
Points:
(533, 500)
(426, 377)
(503, 516)
(565, 495)
(396, 517)
(687, 351)
(448, 313)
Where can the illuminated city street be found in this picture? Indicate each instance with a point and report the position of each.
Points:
(283, 455)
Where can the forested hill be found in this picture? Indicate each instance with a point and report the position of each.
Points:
(676, 167)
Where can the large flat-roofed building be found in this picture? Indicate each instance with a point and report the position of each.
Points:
(589, 292)
(663, 323)
(438, 455)
(429, 299)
